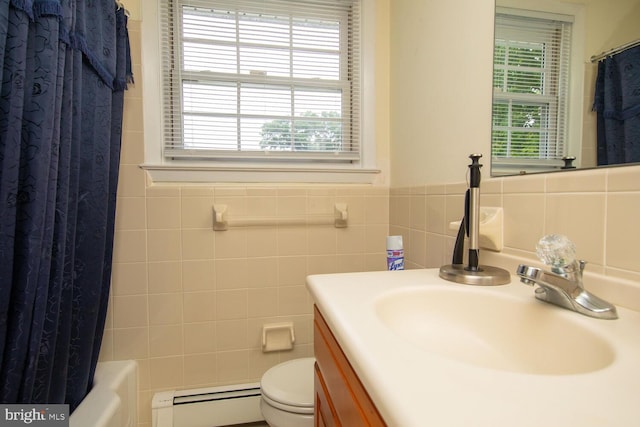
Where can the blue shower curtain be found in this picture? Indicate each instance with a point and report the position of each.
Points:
(617, 103)
(65, 65)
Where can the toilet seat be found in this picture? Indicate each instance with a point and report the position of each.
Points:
(289, 386)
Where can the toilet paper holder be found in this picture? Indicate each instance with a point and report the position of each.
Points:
(278, 336)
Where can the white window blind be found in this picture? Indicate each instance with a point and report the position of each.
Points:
(531, 83)
(261, 79)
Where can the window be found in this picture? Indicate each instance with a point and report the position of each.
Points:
(532, 56)
(261, 80)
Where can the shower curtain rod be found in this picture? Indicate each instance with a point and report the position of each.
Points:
(615, 51)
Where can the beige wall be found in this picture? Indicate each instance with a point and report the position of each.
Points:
(187, 303)
(610, 24)
(441, 66)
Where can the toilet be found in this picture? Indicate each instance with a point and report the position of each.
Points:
(287, 394)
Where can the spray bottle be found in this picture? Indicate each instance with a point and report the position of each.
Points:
(395, 253)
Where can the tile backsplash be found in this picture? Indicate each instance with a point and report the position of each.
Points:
(188, 303)
(596, 208)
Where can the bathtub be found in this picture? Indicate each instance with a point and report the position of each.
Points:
(113, 400)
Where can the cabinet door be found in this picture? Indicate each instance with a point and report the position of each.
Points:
(324, 411)
(342, 399)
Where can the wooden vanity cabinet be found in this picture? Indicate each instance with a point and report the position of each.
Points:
(340, 397)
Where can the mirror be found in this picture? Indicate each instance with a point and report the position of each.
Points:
(599, 26)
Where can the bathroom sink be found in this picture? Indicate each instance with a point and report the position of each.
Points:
(493, 330)
(433, 352)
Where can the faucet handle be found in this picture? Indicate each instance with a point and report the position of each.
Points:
(556, 251)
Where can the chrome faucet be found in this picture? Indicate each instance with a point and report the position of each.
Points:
(562, 285)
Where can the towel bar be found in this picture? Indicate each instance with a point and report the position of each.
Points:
(221, 221)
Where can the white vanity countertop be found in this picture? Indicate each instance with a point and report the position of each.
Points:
(412, 387)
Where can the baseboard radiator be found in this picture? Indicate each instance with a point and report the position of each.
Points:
(207, 407)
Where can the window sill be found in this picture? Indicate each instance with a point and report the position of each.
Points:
(212, 174)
